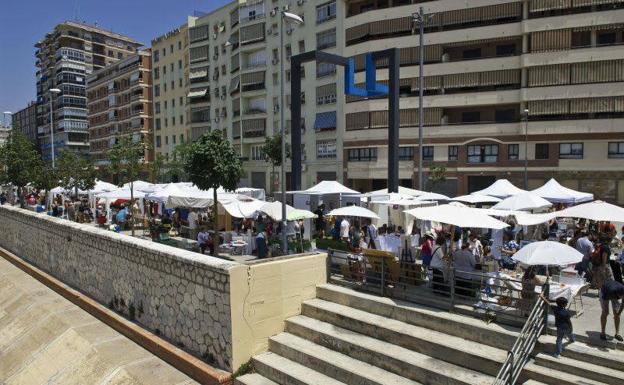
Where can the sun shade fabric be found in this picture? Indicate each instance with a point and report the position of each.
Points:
(234, 84)
(252, 78)
(198, 73)
(458, 215)
(197, 93)
(547, 253)
(596, 211)
(595, 72)
(325, 121)
(547, 5)
(548, 107)
(549, 75)
(326, 90)
(251, 33)
(551, 40)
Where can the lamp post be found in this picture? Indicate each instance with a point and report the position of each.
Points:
(418, 18)
(293, 19)
(525, 116)
(52, 92)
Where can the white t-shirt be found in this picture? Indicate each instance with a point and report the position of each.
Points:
(344, 228)
(192, 220)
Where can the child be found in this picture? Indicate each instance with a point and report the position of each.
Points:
(563, 322)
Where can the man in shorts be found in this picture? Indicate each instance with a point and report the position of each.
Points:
(611, 292)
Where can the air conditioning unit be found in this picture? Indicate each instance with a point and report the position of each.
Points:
(289, 31)
(223, 97)
(269, 31)
(275, 61)
(273, 12)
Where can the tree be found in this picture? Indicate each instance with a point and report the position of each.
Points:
(437, 174)
(21, 163)
(127, 162)
(46, 180)
(75, 172)
(175, 167)
(211, 163)
(272, 150)
(156, 168)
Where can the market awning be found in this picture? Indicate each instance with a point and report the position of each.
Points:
(325, 121)
(198, 93)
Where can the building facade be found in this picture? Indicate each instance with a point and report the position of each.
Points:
(170, 74)
(64, 58)
(25, 121)
(120, 105)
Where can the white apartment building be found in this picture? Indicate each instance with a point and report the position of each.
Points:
(486, 62)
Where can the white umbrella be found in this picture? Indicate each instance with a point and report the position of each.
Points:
(502, 188)
(524, 201)
(596, 211)
(431, 196)
(274, 210)
(297, 214)
(402, 190)
(458, 215)
(547, 253)
(353, 211)
(476, 198)
(528, 219)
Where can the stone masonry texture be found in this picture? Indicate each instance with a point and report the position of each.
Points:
(180, 295)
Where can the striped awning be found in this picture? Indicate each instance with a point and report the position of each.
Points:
(551, 75)
(325, 121)
(547, 5)
(554, 40)
(358, 120)
(197, 74)
(548, 107)
(234, 84)
(197, 93)
(252, 78)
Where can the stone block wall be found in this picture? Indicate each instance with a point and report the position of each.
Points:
(181, 295)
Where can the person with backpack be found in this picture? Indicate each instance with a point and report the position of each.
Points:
(563, 322)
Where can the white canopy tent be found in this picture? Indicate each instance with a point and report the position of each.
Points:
(596, 210)
(553, 192)
(457, 215)
(502, 188)
(392, 210)
(257, 193)
(431, 196)
(241, 207)
(330, 187)
(476, 199)
(274, 210)
(110, 197)
(139, 185)
(528, 219)
(402, 191)
(523, 202)
(353, 211)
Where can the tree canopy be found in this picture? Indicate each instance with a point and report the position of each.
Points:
(75, 172)
(273, 150)
(127, 159)
(20, 161)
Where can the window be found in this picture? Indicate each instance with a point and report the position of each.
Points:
(156, 73)
(171, 48)
(362, 154)
(257, 153)
(571, 151)
(325, 69)
(157, 122)
(453, 153)
(181, 138)
(326, 39)
(171, 67)
(181, 120)
(156, 56)
(406, 153)
(505, 116)
(326, 149)
(606, 38)
(173, 84)
(165, 105)
(180, 64)
(173, 124)
(427, 152)
(158, 143)
(513, 151)
(181, 100)
(487, 153)
(473, 53)
(506, 50)
(616, 150)
(166, 122)
(301, 46)
(156, 90)
(166, 140)
(164, 70)
(471, 117)
(542, 151)
(179, 45)
(173, 137)
(157, 108)
(325, 12)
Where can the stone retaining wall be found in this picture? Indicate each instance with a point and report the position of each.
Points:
(181, 295)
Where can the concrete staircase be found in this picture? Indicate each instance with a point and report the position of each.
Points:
(347, 337)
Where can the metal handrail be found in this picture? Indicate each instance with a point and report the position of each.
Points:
(519, 354)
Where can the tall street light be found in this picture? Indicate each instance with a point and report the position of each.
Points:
(420, 19)
(292, 19)
(525, 116)
(52, 92)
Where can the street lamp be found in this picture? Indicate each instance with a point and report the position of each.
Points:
(525, 116)
(52, 92)
(420, 19)
(229, 43)
(292, 19)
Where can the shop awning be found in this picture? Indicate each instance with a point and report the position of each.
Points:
(325, 121)
(198, 93)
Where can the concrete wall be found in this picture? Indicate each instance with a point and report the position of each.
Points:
(180, 295)
(263, 295)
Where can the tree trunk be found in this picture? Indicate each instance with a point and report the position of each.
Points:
(215, 217)
(132, 206)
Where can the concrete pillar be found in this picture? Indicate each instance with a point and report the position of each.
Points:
(524, 78)
(593, 38)
(525, 43)
(525, 9)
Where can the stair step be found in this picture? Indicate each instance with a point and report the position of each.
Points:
(533, 371)
(384, 354)
(533, 382)
(333, 364)
(582, 369)
(422, 340)
(287, 372)
(596, 355)
(463, 326)
(253, 379)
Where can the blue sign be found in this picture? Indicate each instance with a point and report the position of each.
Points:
(372, 87)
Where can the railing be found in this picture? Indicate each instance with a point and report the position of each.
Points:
(487, 294)
(518, 356)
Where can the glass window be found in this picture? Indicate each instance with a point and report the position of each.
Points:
(156, 56)
(487, 153)
(473, 53)
(362, 154)
(571, 151)
(506, 50)
(181, 119)
(616, 150)
(542, 151)
(166, 140)
(156, 90)
(471, 117)
(325, 149)
(513, 151)
(158, 143)
(406, 153)
(157, 108)
(453, 153)
(157, 122)
(325, 12)
(427, 152)
(326, 39)
(179, 45)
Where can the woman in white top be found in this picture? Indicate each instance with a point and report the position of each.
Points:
(439, 266)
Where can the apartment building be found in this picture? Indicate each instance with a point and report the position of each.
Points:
(64, 58)
(170, 74)
(235, 83)
(495, 71)
(25, 121)
(120, 105)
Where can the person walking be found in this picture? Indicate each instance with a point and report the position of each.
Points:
(611, 292)
(563, 322)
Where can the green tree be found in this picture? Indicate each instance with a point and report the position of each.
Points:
(437, 174)
(272, 150)
(75, 172)
(46, 180)
(213, 162)
(156, 168)
(21, 163)
(175, 166)
(126, 163)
